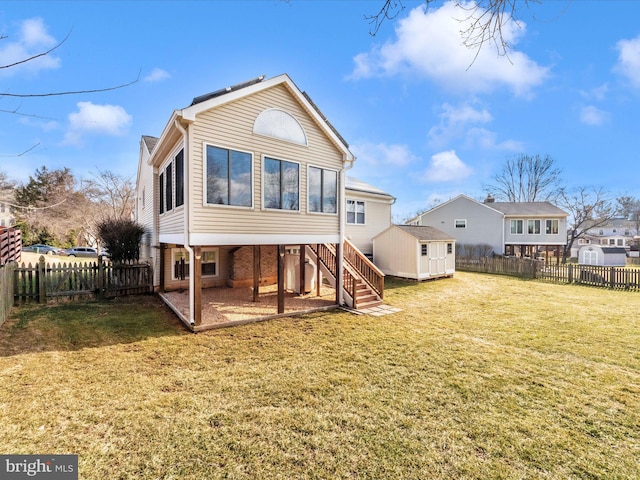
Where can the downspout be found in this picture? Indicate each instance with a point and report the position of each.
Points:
(187, 207)
(343, 213)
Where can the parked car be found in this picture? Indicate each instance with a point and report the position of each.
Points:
(44, 249)
(82, 252)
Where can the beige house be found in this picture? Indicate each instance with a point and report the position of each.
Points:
(416, 252)
(245, 187)
(368, 213)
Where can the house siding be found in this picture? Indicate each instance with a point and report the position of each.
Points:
(231, 126)
(377, 219)
(482, 223)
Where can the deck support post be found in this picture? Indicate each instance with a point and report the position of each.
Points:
(162, 250)
(256, 272)
(280, 279)
(197, 285)
(302, 270)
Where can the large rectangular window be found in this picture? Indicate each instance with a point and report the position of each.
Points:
(533, 227)
(551, 227)
(168, 179)
(323, 190)
(281, 184)
(228, 177)
(355, 212)
(180, 262)
(161, 187)
(517, 227)
(179, 162)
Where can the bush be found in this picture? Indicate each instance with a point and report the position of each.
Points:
(121, 238)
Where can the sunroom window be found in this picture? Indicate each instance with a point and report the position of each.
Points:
(323, 190)
(228, 175)
(281, 184)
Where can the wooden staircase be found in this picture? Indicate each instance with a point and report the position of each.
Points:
(362, 281)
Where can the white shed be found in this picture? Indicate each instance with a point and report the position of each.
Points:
(417, 252)
(604, 256)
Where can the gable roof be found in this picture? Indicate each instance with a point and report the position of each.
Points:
(425, 233)
(150, 142)
(357, 185)
(526, 208)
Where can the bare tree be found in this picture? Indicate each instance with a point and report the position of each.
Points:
(486, 19)
(113, 195)
(588, 207)
(630, 207)
(526, 179)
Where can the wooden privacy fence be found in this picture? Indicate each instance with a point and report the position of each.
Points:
(619, 278)
(6, 290)
(71, 280)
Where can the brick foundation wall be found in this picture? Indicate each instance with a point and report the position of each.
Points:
(241, 266)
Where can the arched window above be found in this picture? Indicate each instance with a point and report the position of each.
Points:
(279, 124)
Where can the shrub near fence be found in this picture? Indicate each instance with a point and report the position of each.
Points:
(71, 280)
(621, 278)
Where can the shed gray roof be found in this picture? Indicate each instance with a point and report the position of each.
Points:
(614, 250)
(352, 183)
(424, 233)
(527, 208)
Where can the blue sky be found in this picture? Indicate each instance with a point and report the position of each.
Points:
(424, 119)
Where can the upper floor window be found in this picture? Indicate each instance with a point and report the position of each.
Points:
(161, 187)
(461, 223)
(281, 184)
(517, 227)
(355, 212)
(277, 123)
(323, 190)
(144, 197)
(621, 242)
(179, 163)
(168, 180)
(626, 232)
(551, 227)
(601, 232)
(229, 180)
(533, 227)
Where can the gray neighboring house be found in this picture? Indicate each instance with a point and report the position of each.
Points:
(617, 232)
(501, 228)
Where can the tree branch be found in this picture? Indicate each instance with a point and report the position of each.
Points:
(42, 54)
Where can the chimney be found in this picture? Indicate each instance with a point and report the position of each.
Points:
(489, 199)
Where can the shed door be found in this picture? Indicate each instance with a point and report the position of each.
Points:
(437, 258)
(590, 257)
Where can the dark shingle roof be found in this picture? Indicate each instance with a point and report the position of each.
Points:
(222, 91)
(526, 208)
(424, 233)
(150, 142)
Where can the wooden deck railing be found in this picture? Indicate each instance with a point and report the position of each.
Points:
(371, 274)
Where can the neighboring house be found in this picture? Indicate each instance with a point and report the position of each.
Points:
(238, 180)
(604, 256)
(617, 232)
(368, 213)
(500, 228)
(6, 210)
(417, 252)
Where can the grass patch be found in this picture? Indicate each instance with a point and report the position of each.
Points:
(478, 377)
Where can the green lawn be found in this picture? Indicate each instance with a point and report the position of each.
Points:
(478, 377)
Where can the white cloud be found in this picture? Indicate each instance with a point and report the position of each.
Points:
(157, 75)
(454, 121)
(32, 40)
(447, 167)
(487, 140)
(382, 154)
(429, 43)
(591, 115)
(597, 93)
(629, 60)
(97, 119)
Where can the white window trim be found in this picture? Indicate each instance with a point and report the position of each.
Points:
(551, 220)
(204, 178)
(337, 191)
(364, 202)
(516, 220)
(282, 210)
(455, 223)
(533, 221)
(204, 249)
